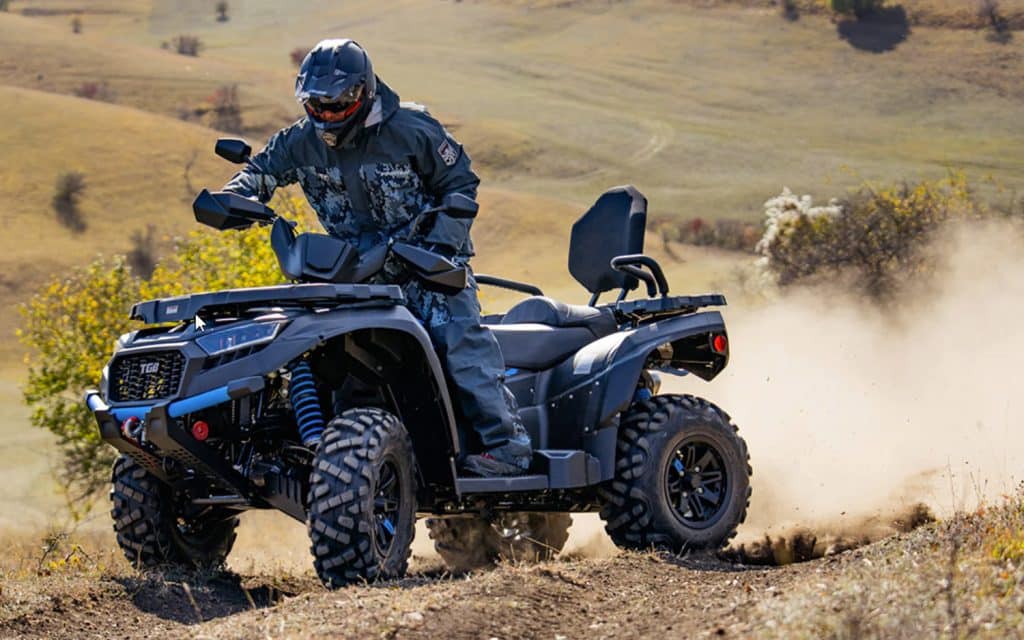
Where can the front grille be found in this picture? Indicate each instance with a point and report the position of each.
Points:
(145, 376)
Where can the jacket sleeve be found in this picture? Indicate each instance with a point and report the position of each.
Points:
(269, 169)
(445, 168)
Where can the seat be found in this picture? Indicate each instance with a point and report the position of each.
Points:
(544, 310)
(539, 346)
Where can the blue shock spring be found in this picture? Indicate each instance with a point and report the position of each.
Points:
(306, 404)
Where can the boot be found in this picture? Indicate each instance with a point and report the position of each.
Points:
(510, 459)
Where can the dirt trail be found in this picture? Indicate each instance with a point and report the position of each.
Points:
(634, 595)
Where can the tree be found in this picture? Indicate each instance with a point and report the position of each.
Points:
(69, 328)
(222, 11)
(142, 256)
(186, 45)
(226, 109)
(859, 8)
(67, 194)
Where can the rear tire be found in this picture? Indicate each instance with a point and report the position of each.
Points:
(152, 532)
(466, 543)
(660, 495)
(362, 499)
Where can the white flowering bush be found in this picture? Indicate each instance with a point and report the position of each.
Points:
(786, 215)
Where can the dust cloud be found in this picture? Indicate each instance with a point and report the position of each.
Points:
(851, 411)
(854, 414)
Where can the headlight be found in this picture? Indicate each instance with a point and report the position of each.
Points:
(248, 335)
(124, 340)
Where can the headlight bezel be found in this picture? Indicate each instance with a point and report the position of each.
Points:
(250, 334)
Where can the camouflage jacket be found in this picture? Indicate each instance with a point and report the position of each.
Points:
(404, 161)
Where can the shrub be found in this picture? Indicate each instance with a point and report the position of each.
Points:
(854, 7)
(70, 326)
(142, 256)
(68, 191)
(724, 233)
(76, 24)
(96, 91)
(5, 5)
(187, 45)
(876, 236)
(789, 10)
(226, 109)
(222, 11)
(297, 55)
(998, 26)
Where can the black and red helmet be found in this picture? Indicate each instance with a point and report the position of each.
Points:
(336, 87)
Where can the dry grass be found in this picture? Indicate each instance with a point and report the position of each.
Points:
(39, 55)
(962, 577)
(709, 111)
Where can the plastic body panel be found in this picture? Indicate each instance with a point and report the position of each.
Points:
(565, 407)
(347, 328)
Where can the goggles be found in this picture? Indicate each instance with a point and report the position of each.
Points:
(335, 109)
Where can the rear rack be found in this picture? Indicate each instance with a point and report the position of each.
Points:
(650, 308)
(235, 301)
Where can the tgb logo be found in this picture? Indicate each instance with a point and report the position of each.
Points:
(149, 367)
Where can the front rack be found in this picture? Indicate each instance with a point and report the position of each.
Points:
(235, 301)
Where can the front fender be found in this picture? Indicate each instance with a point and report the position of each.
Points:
(308, 331)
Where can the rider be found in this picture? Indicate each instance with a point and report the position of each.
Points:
(368, 165)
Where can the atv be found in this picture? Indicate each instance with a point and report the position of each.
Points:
(324, 399)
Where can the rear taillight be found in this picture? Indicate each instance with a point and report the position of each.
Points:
(720, 344)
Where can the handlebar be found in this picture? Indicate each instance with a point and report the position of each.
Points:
(225, 210)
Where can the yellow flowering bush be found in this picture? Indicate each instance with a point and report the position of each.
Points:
(71, 325)
(877, 237)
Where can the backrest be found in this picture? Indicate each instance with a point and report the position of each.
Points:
(613, 227)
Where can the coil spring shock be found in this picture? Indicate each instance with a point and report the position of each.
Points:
(306, 404)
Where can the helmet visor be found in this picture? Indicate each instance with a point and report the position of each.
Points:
(335, 109)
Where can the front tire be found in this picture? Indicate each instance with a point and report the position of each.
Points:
(153, 531)
(682, 477)
(466, 543)
(362, 499)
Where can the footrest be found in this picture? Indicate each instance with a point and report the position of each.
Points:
(551, 469)
(505, 484)
(567, 468)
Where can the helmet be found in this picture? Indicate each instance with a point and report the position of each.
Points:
(336, 87)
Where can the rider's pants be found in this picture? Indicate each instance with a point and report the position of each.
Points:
(473, 361)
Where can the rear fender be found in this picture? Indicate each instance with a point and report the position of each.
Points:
(600, 381)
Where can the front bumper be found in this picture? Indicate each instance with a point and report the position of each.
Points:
(163, 435)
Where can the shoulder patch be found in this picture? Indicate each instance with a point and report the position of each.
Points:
(414, 106)
(449, 152)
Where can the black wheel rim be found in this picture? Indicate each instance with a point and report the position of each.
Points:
(697, 483)
(386, 504)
